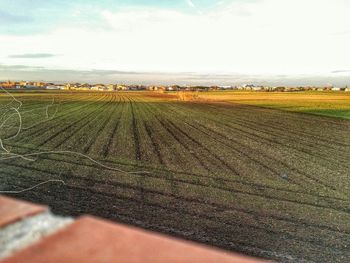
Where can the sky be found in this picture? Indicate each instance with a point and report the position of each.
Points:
(290, 42)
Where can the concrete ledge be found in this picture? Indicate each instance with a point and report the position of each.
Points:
(28, 231)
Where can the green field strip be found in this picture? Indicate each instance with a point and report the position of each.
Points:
(238, 152)
(259, 146)
(68, 121)
(56, 121)
(99, 147)
(99, 126)
(199, 178)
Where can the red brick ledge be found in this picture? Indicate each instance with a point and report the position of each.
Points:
(12, 210)
(93, 240)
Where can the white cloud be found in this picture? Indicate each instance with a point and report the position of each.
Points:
(250, 37)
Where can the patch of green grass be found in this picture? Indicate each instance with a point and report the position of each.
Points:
(344, 114)
(332, 104)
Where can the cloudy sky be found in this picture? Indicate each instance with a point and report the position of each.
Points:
(176, 41)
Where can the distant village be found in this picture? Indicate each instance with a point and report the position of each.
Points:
(121, 87)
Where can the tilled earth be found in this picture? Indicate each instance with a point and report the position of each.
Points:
(264, 182)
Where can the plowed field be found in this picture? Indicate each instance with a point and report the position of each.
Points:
(265, 182)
